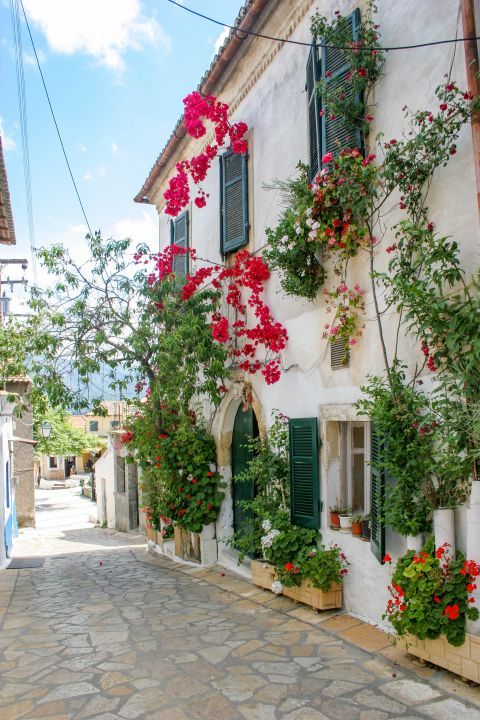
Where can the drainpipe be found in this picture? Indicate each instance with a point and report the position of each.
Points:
(473, 84)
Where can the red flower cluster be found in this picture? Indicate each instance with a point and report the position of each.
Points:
(198, 109)
(430, 359)
(244, 340)
(126, 438)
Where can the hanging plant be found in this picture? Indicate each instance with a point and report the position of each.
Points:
(323, 220)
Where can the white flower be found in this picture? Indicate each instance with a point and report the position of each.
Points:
(212, 467)
(285, 239)
(298, 229)
(277, 587)
(266, 525)
(309, 211)
(316, 225)
(266, 540)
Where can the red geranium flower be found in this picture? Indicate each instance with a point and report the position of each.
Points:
(387, 558)
(288, 567)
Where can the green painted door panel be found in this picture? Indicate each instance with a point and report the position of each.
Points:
(245, 426)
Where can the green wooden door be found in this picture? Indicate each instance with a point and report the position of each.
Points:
(245, 426)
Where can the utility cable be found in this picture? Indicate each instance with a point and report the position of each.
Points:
(17, 36)
(309, 44)
(55, 121)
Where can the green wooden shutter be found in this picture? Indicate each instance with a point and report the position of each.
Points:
(314, 107)
(234, 201)
(336, 136)
(377, 497)
(304, 472)
(179, 236)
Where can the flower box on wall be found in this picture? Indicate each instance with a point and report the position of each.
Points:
(463, 660)
(264, 575)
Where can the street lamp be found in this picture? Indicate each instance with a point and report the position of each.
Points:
(46, 429)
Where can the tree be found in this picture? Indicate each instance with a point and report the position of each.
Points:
(64, 439)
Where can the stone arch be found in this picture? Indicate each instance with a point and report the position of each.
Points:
(222, 431)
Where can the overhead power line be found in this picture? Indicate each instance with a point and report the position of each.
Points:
(319, 44)
(22, 105)
(55, 121)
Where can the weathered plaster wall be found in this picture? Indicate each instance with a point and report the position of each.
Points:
(265, 86)
(24, 460)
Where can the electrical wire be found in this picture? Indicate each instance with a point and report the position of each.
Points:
(309, 44)
(17, 36)
(55, 120)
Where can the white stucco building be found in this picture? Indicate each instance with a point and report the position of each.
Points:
(264, 84)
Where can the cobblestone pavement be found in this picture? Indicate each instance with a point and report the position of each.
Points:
(106, 630)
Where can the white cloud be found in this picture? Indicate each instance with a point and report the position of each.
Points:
(143, 230)
(102, 170)
(105, 30)
(87, 176)
(8, 143)
(221, 39)
(114, 148)
(30, 59)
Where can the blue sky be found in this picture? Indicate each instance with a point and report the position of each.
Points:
(116, 71)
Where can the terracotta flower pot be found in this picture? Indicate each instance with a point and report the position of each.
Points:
(356, 528)
(334, 519)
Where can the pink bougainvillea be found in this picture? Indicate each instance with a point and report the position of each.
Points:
(199, 109)
(253, 339)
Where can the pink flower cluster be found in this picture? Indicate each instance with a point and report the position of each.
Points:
(244, 340)
(198, 109)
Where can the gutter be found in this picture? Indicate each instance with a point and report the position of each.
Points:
(207, 83)
(471, 59)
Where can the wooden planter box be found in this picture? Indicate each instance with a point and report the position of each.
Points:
(463, 660)
(264, 575)
(151, 534)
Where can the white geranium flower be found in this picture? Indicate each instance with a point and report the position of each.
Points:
(266, 540)
(298, 229)
(277, 587)
(266, 525)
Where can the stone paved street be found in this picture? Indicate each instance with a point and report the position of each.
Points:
(107, 630)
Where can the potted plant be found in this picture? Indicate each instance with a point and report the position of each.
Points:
(365, 523)
(335, 516)
(357, 525)
(432, 595)
(346, 519)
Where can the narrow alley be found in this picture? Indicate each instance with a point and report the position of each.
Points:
(104, 629)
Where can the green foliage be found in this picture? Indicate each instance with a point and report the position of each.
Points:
(64, 439)
(268, 471)
(321, 220)
(349, 100)
(431, 596)
(322, 566)
(285, 547)
(116, 314)
(180, 481)
(403, 423)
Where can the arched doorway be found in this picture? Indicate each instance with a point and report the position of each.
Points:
(244, 427)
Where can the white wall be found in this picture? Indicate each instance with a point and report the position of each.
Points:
(6, 433)
(275, 110)
(105, 484)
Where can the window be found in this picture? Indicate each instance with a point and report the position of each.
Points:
(234, 223)
(304, 472)
(119, 473)
(114, 424)
(339, 355)
(93, 426)
(327, 134)
(52, 462)
(356, 467)
(179, 236)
